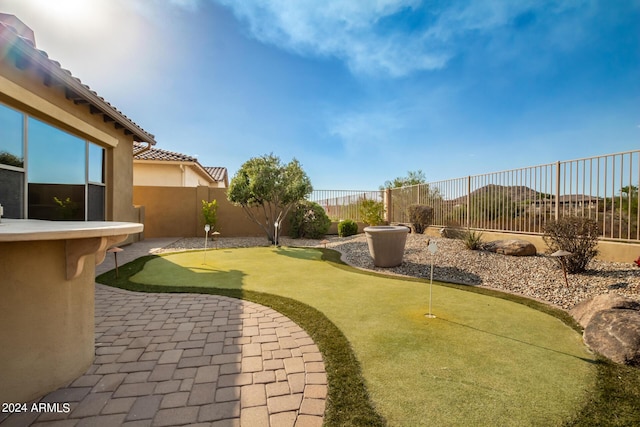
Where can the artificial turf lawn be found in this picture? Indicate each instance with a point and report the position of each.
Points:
(482, 361)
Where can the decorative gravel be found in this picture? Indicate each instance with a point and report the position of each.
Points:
(538, 277)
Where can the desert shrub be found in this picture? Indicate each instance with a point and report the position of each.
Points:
(421, 217)
(347, 228)
(210, 213)
(309, 220)
(372, 212)
(472, 239)
(578, 235)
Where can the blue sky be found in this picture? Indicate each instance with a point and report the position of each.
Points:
(360, 92)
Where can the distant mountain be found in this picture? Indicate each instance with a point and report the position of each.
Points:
(514, 193)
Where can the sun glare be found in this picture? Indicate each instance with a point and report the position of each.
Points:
(72, 11)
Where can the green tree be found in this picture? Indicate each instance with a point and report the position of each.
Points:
(629, 191)
(412, 178)
(410, 190)
(629, 195)
(7, 158)
(266, 189)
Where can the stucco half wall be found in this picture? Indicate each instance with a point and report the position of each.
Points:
(47, 321)
(608, 250)
(176, 212)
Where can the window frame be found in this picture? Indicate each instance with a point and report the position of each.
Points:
(24, 170)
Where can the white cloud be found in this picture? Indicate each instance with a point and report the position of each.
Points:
(348, 30)
(375, 125)
(367, 131)
(366, 35)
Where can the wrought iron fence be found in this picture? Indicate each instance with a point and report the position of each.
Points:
(604, 188)
(344, 204)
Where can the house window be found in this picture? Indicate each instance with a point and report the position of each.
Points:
(11, 137)
(95, 183)
(64, 174)
(95, 164)
(12, 162)
(56, 172)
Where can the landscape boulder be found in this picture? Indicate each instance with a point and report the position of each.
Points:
(615, 334)
(584, 311)
(513, 247)
(452, 232)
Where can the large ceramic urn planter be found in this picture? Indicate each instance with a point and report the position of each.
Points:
(386, 244)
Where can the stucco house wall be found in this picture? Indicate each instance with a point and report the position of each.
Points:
(168, 174)
(154, 166)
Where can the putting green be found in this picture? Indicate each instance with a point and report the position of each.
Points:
(481, 361)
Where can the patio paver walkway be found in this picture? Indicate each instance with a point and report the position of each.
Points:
(190, 359)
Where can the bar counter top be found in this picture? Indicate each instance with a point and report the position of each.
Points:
(22, 230)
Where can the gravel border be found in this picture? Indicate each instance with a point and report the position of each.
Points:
(538, 277)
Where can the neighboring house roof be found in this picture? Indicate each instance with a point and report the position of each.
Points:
(577, 198)
(571, 198)
(218, 173)
(18, 43)
(142, 152)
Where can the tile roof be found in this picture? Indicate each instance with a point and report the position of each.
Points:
(157, 154)
(20, 45)
(140, 152)
(218, 173)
